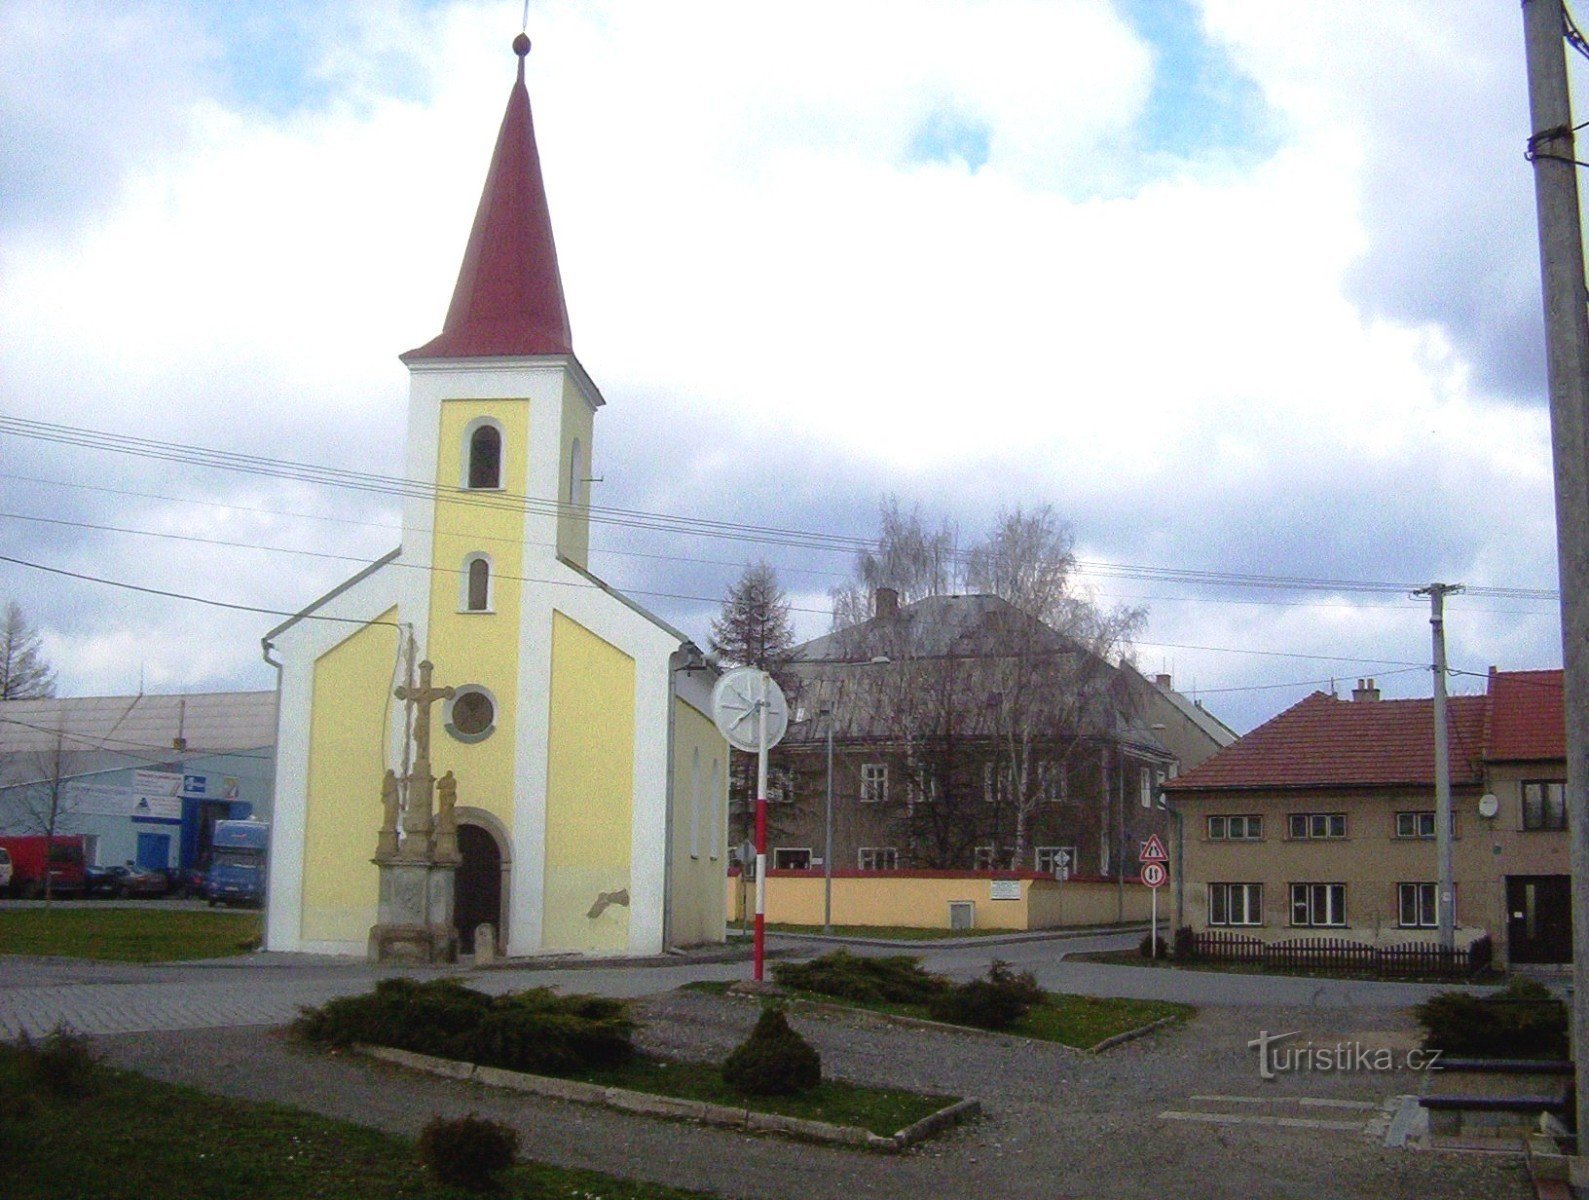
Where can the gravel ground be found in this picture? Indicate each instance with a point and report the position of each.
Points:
(1059, 1123)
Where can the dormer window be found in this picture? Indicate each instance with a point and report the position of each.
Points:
(485, 457)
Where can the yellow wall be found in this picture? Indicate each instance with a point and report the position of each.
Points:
(589, 789)
(347, 734)
(923, 903)
(699, 857)
(471, 647)
(573, 529)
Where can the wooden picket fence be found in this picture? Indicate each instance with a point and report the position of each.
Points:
(1338, 954)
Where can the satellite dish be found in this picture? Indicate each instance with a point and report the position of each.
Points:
(1489, 805)
(735, 704)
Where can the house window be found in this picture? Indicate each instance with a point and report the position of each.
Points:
(786, 858)
(780, 785)
(1420, 824)
(923, 788)
(1318, 904)
(878, 858)
(485, 457)
(1058, 861)
(1246, 827)
(714, 816)
(982, 858)
(874, 782)
(1318, 825)
(1053, 782)
(1544, 805)
(1145, 784)
(1417, 905)
(1235, 904)
(477, 583)
(695, 803)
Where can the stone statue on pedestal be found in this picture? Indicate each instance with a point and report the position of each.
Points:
(415, 922)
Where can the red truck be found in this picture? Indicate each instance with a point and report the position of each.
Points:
(64, 854)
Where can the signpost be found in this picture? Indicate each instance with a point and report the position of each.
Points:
(1155, 875)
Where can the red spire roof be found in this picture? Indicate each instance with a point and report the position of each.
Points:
(509, 297)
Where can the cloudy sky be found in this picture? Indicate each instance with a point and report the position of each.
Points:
(1236, 286)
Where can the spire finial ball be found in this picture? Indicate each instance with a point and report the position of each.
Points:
(521, 45)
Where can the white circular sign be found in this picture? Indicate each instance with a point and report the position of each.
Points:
(1154, 875)
(735, 707)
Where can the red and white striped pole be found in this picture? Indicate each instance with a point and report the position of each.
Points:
(761, 834)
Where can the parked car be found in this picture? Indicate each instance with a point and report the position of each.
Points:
(187, 881)
(126, 880)
(5, 868)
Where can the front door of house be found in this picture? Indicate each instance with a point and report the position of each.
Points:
(1539, 918)
(478, 895)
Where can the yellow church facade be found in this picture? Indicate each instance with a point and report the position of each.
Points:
(591, 781)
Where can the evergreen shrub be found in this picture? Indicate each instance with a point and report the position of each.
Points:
(1145, 946)
(895, 979)
(468, 1152)
(1522, 1021)
(774, 1060)
(534, 1030)
(996, 1002)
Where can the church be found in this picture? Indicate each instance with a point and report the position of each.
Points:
(588, 784)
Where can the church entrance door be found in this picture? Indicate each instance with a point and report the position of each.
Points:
(479, 887)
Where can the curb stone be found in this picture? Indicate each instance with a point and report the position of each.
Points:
(1131, 1035)
(679, 1108)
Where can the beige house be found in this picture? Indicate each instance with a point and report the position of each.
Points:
(1320, 822)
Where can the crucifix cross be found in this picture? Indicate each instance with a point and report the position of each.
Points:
(423, 697)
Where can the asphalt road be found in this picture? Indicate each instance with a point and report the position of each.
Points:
(37, 994)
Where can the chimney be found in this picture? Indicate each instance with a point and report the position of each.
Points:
(885, 602)
(1163, 681)
(1364, 692)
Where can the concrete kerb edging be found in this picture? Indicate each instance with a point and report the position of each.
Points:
(1014, 937)
(678, 1108)
(1131, 1035)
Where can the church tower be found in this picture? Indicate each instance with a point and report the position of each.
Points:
(590, 779)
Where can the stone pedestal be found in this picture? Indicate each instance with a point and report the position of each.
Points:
(414, 923)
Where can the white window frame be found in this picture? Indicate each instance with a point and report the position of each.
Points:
(780, 785)
(1424, 906)
(1552, 801)
(477, 556)
(1145, 784)
(784, 850)
(877, 858)
(1316, 826)
(1412, 824)
(1322, 905)
(1223, 909)
(1053, 781)
(982, 857)
(1043, 860)
(1222, 827)
(874, 782)
(467, 449)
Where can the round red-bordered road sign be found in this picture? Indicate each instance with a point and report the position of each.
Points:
(1154, 874)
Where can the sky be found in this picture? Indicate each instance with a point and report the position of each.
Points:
(1246, 287)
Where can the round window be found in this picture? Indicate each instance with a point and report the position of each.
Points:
(472, 714)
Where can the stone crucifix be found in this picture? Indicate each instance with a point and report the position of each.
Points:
(416, 821)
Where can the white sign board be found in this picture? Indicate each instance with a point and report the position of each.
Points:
(1004, 889)
(158, 795)
(98, 799)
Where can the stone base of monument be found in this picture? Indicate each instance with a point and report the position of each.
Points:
(415, 919)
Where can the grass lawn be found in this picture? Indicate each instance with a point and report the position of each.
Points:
(134, 1138)
(891, 933)
(1078, 1021)
(154, 934)
(839, 1103)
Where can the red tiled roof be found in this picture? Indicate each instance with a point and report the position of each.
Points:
(1527, 717)
(509, 297)
(1327, 742)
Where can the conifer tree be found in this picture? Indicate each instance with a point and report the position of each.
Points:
(25, 674)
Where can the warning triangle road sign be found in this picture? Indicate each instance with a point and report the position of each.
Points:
(1153, 851)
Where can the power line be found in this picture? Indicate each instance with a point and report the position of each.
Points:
(190, 455)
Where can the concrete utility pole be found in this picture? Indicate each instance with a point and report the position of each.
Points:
(1446, 888)
(1551, 148)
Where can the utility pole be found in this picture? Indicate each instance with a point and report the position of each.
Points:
(827, 848)
(1446, 890)
(1551, 148)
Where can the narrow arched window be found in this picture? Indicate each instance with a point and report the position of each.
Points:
(485, 457)
(478, 597)
(575, 473)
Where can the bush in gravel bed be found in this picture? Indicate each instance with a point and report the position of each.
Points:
(469, 1152)
(774, 1060)
(895, 979)
(1523, 1021)
(534, 1030)
(996, 1002)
